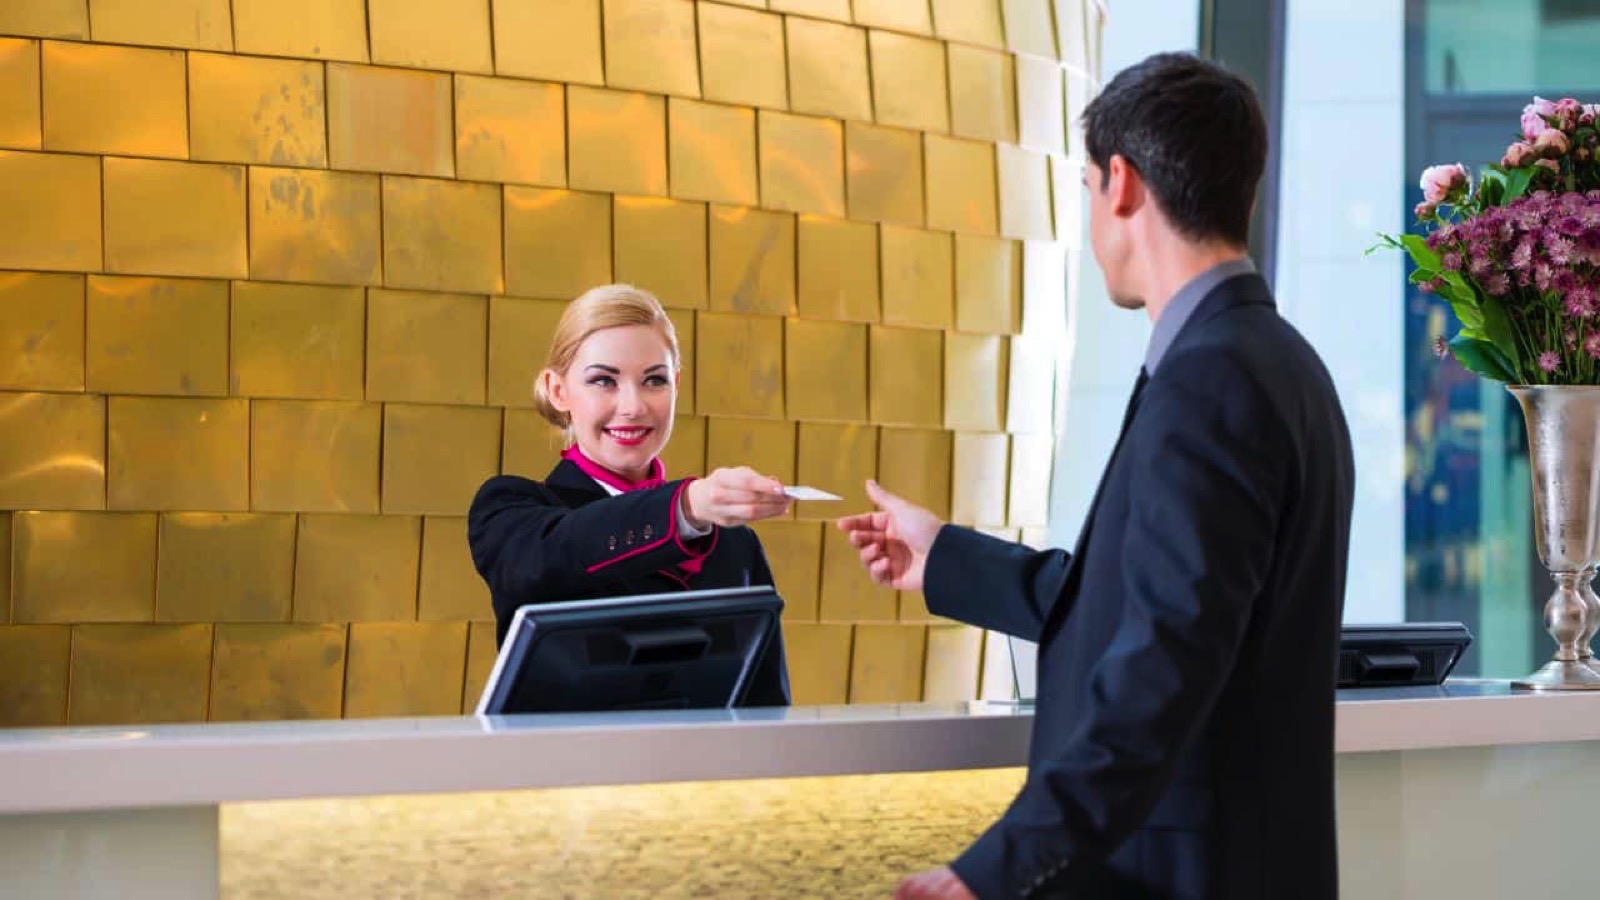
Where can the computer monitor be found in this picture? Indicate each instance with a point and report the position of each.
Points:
(686, 650)
(1400, 655)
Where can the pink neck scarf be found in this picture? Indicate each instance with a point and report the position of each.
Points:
(657, 478)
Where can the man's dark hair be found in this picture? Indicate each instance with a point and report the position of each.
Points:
(1194, 132)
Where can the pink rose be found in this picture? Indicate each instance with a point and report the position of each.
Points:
(1533, 125)
(1549, 164)
(1552, 144)
(1541, 106)
(1425, 210)
(1518, 155)
(1591, 112)
(1440, 182)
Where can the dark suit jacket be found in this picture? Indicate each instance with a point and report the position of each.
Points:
(1183, 737)
(567, 539)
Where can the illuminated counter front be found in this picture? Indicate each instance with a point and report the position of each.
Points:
(1462, 792)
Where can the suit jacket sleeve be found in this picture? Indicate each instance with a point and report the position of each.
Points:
(1211, 461)
(528, 547)
(994, 584)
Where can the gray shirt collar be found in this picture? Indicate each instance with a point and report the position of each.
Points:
(1183, 306)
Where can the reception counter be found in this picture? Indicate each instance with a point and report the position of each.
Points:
(1465, 791)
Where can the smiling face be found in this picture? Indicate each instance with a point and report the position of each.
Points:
(621, 392)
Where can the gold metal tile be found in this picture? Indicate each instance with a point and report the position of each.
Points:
(390, 120)
(955, 653)
(660, 246)
(139, 674)
(983, 94)
(426, 348)
(740, 365)
(558, 40)
(837, 10)
(315, 226)
(531, 446)
(1030, 28)
(683, 323)
(175, 218)
(251, 110)
(906, 376)
(558, 243)
(1037, 538)
(650, 46)
(988, 285)
(712, 151)
(1066, 188)
(616, 141)
(884, 173)
(266, 672)
(442, 235)
(20, 120)
(685, 455)
(34, 662)
(424, 474)
(961, 184)
(511, 131)
(914, 463)
(1030, 403)
(838, 276)
(104, 99)
(314, 456)
(825, 371)
(157, 336)
(1024, 194)
(847, 593)
(53, 213)
(520, 332)
(178, 453)
(914, 608)
(481, 651)
(83, 567)
(41, 331)
(5, 567)
(315, 29)
(450, 589)
(291, 340)
(742, 56)
(1046, 272)
(886, 665)
(918, 277)
(405, 669)
(969, 21)
(794, 551)
(765, 445)
(828, 69)
(978, 479)
(224, 567)
(911, 16)
(802, 163)
(839, 459)
(752, 261)
(46, 18)
(1072, 32)
(196, 24)
(431, 34)
(819, 663)
(54, 456)
(908, 81)
(356, 568)
(1031, 457)
(1043, 108)
(975, 367)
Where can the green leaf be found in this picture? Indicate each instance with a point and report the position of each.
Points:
(1517, 181)
(1478, 356)
(1497, 325)
(1421, 253)
(1491, 186)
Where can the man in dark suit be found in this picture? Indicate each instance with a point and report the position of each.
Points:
(1183, 739)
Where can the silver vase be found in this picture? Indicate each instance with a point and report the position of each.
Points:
(1564, 455)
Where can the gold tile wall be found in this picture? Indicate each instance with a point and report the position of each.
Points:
(276, 277)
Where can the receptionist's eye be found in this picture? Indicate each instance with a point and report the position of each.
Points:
(655, 381)
(604, 381)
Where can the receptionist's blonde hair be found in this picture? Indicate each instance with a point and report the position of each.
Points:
(607, 306)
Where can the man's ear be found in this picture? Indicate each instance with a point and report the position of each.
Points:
(1125, 188)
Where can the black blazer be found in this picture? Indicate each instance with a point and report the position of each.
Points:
(1183, 739)
(567, 539)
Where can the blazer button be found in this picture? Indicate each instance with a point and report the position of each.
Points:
(649, 532)
(627, 539)
(611, 543)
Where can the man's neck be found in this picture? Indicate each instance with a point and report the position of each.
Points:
(1180, 262)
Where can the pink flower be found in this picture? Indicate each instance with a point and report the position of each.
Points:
(1441, 348)
(1591, 344)
(1552, 144)
(1441, 182)
(1567, 112)
(1591, 111)
(1550, 165)
(1541, 106)
(1518, 155)
(1533, 124)
(1425, 210)
(1549, 361)
(1497, 284)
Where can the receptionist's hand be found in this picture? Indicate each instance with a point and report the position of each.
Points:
(894, 541)
(730, 497)
(934, 884)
